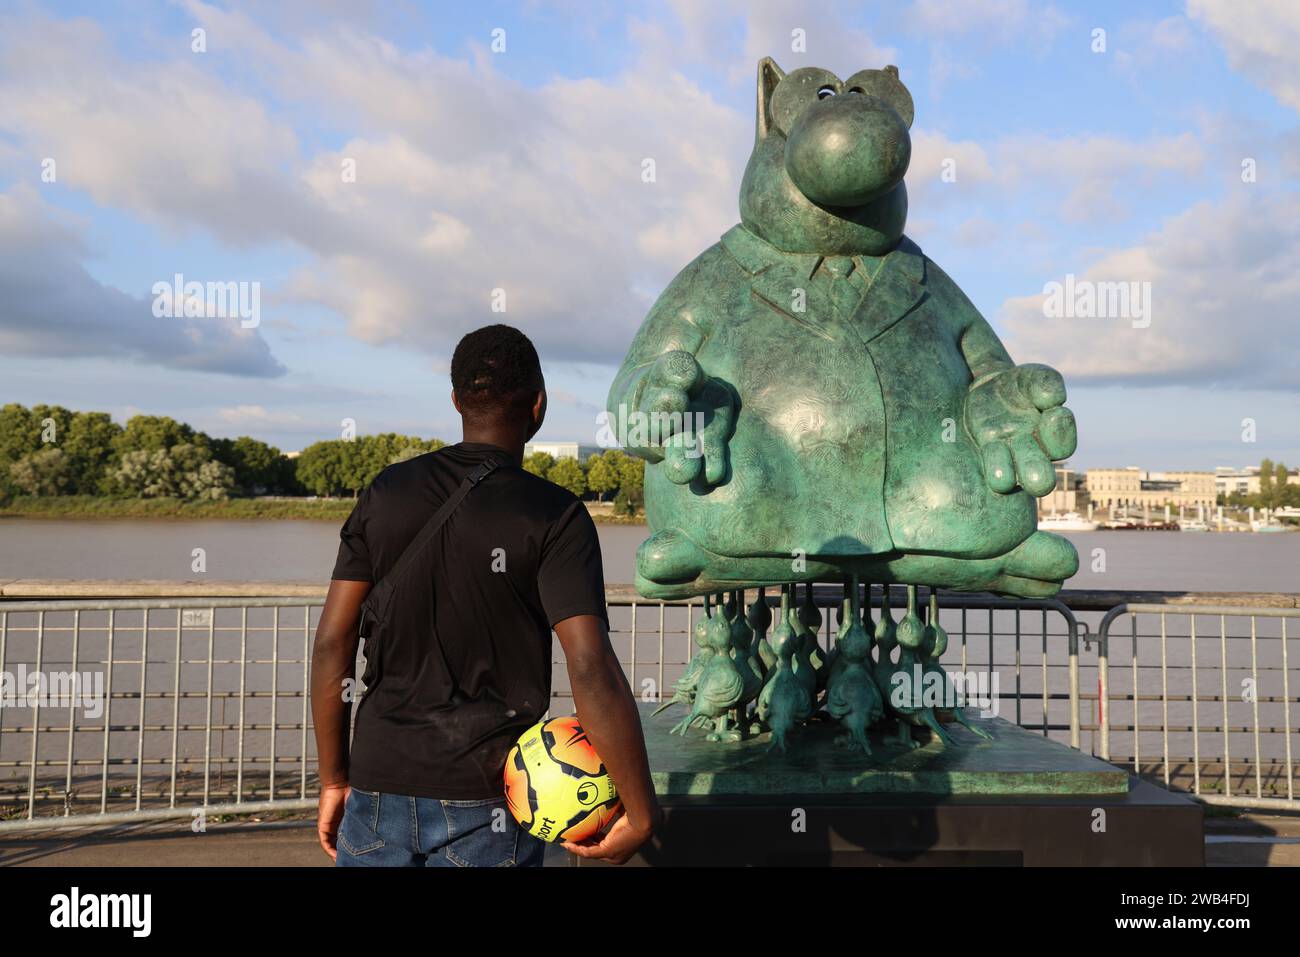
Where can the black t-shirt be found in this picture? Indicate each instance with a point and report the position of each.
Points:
(464, 656)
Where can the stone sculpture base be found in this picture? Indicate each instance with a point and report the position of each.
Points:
(1019, 799)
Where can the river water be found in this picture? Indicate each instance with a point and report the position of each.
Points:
(304, 551)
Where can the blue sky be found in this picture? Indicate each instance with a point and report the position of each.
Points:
(520, 170)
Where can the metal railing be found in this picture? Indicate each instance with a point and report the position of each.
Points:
(1252, 698)
(178, 706)
(205, 710)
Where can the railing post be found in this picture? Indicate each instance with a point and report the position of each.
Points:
(72, 711)
(176, 702)
(1286, 717)
(1073, 651)
(275, 691)
(1103, 677)
(243, 671)
(1196, 716)
(108, 713)
(36, 717)
(139, 737)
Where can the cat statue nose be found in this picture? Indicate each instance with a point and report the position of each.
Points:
(848, 150)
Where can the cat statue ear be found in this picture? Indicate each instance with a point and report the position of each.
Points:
(886, 85)
(769, 75)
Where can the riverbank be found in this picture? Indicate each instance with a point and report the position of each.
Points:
(92, 508)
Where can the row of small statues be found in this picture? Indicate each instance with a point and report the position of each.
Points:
(787, 679)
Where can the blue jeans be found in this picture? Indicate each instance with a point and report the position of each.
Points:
(394, 830)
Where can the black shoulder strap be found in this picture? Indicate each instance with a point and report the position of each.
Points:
(376, 603)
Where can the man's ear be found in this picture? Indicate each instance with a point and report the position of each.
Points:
(456, 402)
(769, 75)
(539, 413)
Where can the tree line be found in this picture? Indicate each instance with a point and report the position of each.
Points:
(1275, 489)
(48, 450)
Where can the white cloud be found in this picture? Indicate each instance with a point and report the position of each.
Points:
(165, 140)
(1080, 176)
(999, 21)
(1090, 169)
(1261, 39)
(1225, 290)
(257, 416)
(467, 181)
(51, 306)
(707, 33)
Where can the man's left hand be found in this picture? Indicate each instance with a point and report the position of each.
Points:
(333, 798)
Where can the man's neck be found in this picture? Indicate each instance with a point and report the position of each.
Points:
(508, 439)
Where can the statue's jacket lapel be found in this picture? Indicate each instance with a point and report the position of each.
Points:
(887, 287)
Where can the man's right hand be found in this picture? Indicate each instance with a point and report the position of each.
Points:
(608, 713)
(619, 843)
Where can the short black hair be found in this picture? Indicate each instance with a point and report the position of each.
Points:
(495, 372)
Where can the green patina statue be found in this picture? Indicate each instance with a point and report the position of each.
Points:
(933, 646)
(816, 399)
(785, 700)
(852, 696)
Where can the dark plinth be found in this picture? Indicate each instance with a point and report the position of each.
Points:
(1016, 761)
(1042, 804)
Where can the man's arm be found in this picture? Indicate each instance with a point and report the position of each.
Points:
(607, 712)
(333, 661)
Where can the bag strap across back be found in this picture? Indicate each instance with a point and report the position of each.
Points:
(376, 603)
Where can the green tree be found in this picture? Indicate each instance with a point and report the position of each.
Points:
(567, 473)
(602, 473)
(1289, 496)
(631, 485)
(631, 473)
(259, 468)
(19, 433)
(319, 469)
(338, 467)
(89, 443)
(1266, 482)
(539, 463)
(629, 501)
(150, 433)
(52, 422)
(49, 471)
(184, 471)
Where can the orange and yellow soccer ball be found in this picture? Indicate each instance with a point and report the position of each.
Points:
(556, 784)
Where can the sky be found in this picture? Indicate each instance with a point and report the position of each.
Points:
(377, 172)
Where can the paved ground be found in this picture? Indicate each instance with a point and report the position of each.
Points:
(1250, 840)
(1253, 840)
(172, 844)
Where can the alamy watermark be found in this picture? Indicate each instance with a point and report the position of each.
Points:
(634, 429)
(1090, 299)
(53, 689)
(945, 690)
(179, 299)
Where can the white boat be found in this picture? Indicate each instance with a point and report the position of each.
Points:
(1192, 525)
(1268, 527)
(1069, 522)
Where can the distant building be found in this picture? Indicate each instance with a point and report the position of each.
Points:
(563, 450)
(1232, 481)
(1132, 487)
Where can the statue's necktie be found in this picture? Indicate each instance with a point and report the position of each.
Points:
(846, 285)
